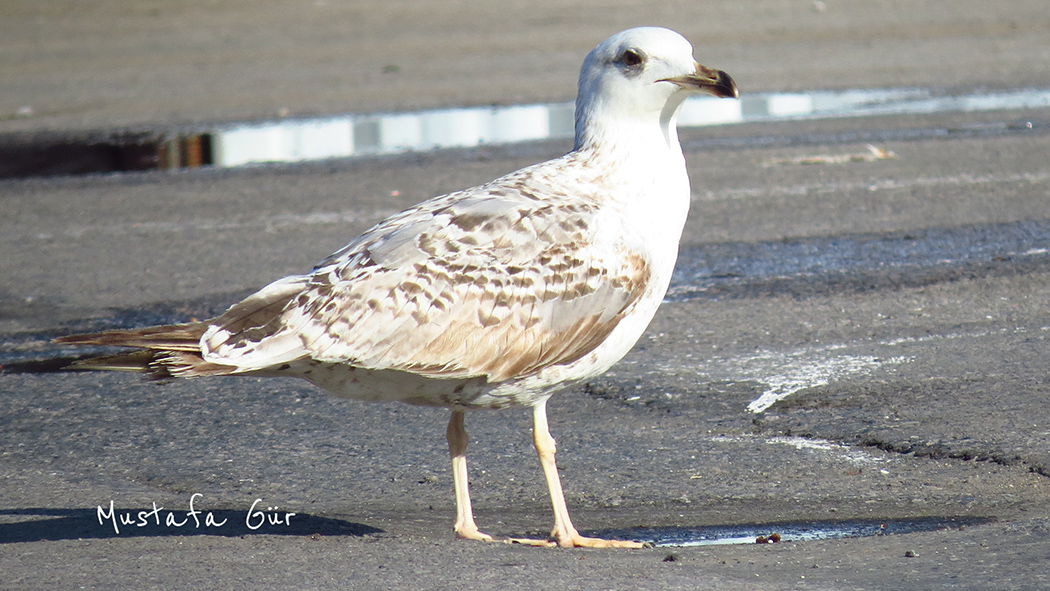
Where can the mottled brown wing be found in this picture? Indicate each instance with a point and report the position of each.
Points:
(466, 286)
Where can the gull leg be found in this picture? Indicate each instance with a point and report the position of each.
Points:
(465, 527)
(457, 448)
(564, 532)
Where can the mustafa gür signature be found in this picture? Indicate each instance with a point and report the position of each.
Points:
(254, 518)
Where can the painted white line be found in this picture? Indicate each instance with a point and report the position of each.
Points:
(790, 373)
(781, 374)
(837, 451)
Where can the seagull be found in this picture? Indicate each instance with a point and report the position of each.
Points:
(491, 297)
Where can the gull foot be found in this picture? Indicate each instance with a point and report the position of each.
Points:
(578, 541)
(472, 533)
(572, 540)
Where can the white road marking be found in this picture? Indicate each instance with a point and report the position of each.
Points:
(784, 374)
(835, 450)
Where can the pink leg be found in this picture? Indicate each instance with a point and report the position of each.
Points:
(457, 448)
(465, 527)
(564, 532)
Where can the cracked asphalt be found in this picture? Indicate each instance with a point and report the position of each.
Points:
(853, 342)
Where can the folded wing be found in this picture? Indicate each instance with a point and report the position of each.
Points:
(469, 285)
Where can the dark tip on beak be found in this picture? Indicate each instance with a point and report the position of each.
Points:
(723, 87)
(713, 82)
(716, 82)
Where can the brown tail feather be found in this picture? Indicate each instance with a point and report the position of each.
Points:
(168, 351)
(139, 361)
(171, 337)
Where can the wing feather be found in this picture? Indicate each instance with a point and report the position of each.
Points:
(493, 283)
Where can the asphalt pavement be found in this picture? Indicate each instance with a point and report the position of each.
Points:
(848, 342)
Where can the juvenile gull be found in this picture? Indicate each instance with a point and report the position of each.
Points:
(491, 297)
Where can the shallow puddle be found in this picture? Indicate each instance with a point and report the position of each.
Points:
(801, 531)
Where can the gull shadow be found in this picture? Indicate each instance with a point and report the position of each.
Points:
(74, 524)
(788, 531)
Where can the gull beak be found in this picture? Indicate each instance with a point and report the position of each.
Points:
(704, 79)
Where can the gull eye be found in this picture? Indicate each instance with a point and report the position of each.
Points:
(631, 58)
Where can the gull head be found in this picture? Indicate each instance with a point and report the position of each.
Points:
(632, 86)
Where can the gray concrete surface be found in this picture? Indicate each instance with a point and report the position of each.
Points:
(922, 385)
